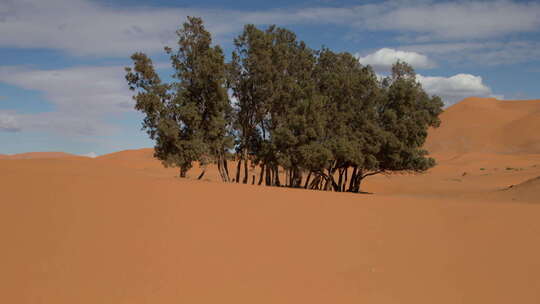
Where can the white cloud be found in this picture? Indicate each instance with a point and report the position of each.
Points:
(459, 20)
(90, 155)
(89, 89)
(84, 27)
(8, 122)
(455, 88)
(83, 97)
(484, 53)
(384, 58)
(448, 47)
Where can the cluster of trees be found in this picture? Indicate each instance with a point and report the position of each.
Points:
(320, 117)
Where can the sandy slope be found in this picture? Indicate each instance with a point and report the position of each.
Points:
(81, 231)
(527, 190)
(39, 155)
(122, 229)
(488, 125)
(145, 154)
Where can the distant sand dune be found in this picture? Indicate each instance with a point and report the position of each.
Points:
(39, 155)
(528, 190)
(488, 125)
(137, 154)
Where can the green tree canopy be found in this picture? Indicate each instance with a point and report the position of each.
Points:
(189, 119)
(318, 119)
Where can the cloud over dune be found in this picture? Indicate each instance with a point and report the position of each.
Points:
(451, 89)
(90, 155)
(455, 88)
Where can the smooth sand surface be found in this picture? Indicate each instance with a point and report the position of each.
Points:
(122, 229)
(488, 125)
(39, 155)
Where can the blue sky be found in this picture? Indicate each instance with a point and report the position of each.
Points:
(61, 61)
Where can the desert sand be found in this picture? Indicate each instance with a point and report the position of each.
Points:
(39, 155)
(122, 229)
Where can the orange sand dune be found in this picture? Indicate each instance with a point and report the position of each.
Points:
(130, 155)
(122, 229)
(39, 155)
(141, 160)
(464, 178)
(528, 190)
(488, 125)
(84, 231)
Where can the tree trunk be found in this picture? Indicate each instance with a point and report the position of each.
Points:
(327, 183)
(268, 175)
(297, 182)
(357, 180)
(358, 184)
(220, 170)
(307, 180)
(183, 172)
(238, 170)
(345, 181)
(202, 174)
(261, 175)
(276, 176)
(315, 183)
(226, 169)
(329, 180)
(353, 177)
(246, 171)
(340, 180)
(334, 185)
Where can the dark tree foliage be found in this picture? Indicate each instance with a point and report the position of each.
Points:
(272, 79)
(189, 119)
(404, 114)
(311, 119)
(251, 81)
(351, 93)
